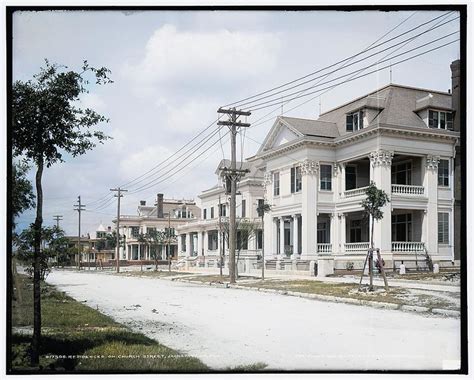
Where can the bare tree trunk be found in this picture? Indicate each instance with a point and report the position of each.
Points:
(36, 342)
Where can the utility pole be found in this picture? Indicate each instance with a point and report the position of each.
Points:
(221, 258)
(80, 208)
(169, 240)
(118, 195)
(233, 125)
(57, 218)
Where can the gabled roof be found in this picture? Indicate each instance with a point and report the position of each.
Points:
(309, 127)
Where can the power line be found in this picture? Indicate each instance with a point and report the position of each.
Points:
(238, 103)
(259, 122)
(340, 68)
(162, 177)
(354, 78)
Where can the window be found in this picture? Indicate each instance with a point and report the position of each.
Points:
(222, 211)
(440, 119)
(401, 227)
(443, 173)
(259, 207)
(243, 206)
(276, 183)
(355, 121)
(212, 212)
(169, 232)
(355, 231)
(323, 232)
(135, 231)
(296, 183)
(401, 174)
(212, 237)
(351, 177)
(204, 214)
(326, 177)
(183, 243)
(259, 239)
(443, 228)
(242, 240)
(150, 230)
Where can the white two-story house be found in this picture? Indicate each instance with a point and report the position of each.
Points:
(166, 213)
(206, 236)
(316, 172)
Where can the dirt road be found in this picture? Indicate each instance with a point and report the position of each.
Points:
(231, 327)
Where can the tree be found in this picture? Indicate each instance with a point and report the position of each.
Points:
(156, 238)
(55, 247)
(375, 200)
(245, 231)
(46, 123)
(22, 197)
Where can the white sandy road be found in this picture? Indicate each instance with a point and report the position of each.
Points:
(230, 327)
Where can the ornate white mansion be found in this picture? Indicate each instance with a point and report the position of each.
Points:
(314, 173)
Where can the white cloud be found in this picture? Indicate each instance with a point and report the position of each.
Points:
(175, 56)
(93, 101)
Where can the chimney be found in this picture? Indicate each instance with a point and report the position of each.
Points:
(142, 203)
(455, 93)
(109, 228)
(159, 204)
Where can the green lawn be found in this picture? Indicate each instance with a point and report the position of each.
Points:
(77, 338)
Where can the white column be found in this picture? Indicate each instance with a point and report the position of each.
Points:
(333, 233)
(342, 233)
(430, 183)
(139, 251)
(206, 243)
(179, 245)
(199, 243)
(342, 180)
(195, 244)
(295, 235)
(282, 237)
(309, 171)
(274, 244)
(188, 245)
(381, 163)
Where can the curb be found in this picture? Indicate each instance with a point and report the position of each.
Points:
(322, 297)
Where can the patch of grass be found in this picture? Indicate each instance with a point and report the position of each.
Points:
(77, 338)
(255, 367)
(395, 295)
(152, 273)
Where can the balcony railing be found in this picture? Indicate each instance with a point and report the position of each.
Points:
(324, 247)
(356, 247)
(408, 189)
(355, 192)
(408, 246)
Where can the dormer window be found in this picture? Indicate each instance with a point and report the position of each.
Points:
(355, 121)
(440, 119)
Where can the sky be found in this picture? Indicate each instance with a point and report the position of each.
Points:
(172, 70)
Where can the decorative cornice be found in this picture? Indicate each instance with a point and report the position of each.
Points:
(432, 162)
(335, 169)
(309, 167)
(381, 158)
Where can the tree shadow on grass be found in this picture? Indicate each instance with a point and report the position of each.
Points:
(54, 348)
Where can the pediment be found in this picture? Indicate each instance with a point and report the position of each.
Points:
(280, 134)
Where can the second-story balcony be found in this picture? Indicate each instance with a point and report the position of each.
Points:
(355, 192)
(408, 190)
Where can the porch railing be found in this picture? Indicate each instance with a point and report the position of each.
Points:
(408, 189)
(356, 247)
(408, 246)
(355, 192)
(324, 247)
